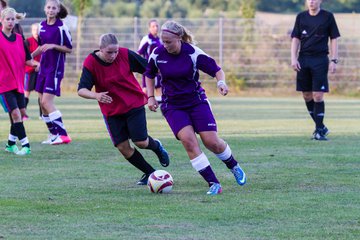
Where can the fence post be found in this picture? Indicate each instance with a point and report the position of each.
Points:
(221, 42)
(135, 33)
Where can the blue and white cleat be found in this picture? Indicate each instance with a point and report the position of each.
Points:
(239, 175)
(214, 189)
(162, 155)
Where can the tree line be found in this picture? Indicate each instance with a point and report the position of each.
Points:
(182, 8)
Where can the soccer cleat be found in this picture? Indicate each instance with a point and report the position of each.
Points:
(59, 139)
(319, 134)
(214, 189)
(11, 148)
(25, 117)
(325, 131)
(143, 180)
(48, 140)
(162, 155)
(239, 174)
(24, 151)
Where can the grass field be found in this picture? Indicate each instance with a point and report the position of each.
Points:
(297, 188)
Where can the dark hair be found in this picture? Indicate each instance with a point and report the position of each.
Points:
(3, 3)
(63, 12)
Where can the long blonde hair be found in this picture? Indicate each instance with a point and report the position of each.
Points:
(179, 30)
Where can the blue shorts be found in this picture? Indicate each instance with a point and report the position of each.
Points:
(12, 100)
(131, 125)
(200, 117)
(48, 84)
(313, 75)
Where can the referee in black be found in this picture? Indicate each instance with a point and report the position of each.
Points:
(309, 58)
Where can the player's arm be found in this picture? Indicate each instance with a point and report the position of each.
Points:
(29, 61)
(151, 71)
(86, 84)
(220, 82)
(334, 53)
(137, 63)
(295, 45)
(59, 48)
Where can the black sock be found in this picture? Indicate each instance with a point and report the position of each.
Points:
(310, 108)
(319, 113)
(153, 145)
(26, 101)
(12, 132)
(19, 130)
(138, 161)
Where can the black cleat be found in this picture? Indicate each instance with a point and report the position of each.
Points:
(143, 180)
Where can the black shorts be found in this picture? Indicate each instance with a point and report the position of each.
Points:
(12, 100)
(30, 81)
(313, 75)
(131, 125)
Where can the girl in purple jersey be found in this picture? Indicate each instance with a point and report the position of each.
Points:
(147, 44)
(54, 44)
(13, 57)
(185, 105)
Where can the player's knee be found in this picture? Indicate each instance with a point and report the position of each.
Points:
(16, 115)
(142, 144)
(214, 145)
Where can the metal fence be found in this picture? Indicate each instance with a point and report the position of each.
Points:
(253, 52)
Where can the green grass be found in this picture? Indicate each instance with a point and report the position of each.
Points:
(297, 188)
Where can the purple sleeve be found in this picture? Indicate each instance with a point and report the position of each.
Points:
(67, 38)
(151, 69)
(207, 65)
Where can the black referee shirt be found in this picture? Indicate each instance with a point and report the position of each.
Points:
(314, 32)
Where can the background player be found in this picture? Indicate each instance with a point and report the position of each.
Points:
(30, 72)
(13, 57)
(147, 44)
(54, 44)
(311, 34)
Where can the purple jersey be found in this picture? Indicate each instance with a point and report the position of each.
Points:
(180, 75)
(53, 61)
(148, 44)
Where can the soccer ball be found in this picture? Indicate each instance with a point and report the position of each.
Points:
(160, 181)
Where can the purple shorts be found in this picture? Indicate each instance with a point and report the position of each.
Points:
(199, 116)
(48, 84)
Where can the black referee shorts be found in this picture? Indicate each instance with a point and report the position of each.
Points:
(131, 125)
(313, 75)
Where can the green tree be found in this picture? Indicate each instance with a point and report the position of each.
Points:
(81, 8)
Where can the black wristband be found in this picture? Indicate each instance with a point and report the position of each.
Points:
(150, 97)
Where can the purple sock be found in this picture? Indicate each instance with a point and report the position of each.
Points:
(55, 118)
(49, 125)
(209, 175)
(230, 162)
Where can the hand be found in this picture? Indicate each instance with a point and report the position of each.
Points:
(332, 67)
(222, 87)
(46, 47)
(152, 104)
(295, 65)
(103, 97)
